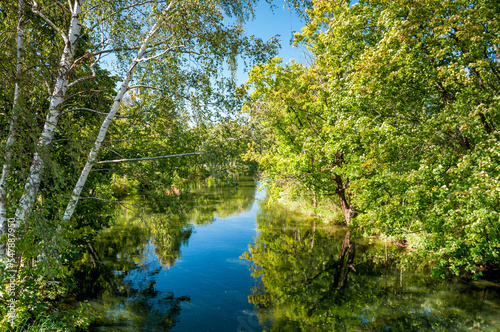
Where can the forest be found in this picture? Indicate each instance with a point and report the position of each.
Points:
(389, 129)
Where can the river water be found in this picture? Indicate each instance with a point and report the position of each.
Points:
(227, 262)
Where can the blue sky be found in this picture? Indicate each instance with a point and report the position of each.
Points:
(267, 23)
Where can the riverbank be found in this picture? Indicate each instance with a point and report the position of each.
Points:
(327, 211)
(320, 276)
(230, 260)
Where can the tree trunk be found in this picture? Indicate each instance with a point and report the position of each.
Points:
(70, 209)
(148, 158)
(315, 198)
(347, 208)
(35, 174)
(13, 122)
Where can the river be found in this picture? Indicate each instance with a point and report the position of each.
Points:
(227, 262)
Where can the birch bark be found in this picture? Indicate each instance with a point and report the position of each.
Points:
(70, 209)
(13, 121)
(35, 174)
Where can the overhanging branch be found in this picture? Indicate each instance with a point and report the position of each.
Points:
(150, 158)
(90, 110)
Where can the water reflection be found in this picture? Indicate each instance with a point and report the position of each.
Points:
(320, 279)
(178, 270)
(124, 270)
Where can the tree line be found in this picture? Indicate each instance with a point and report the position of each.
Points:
(397, 119)
(85, 82)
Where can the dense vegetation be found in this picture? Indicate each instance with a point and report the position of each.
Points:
(318, 277)
(74, 123)
(395, 122)
(397, 118)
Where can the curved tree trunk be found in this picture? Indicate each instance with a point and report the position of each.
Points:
(70, 209)
(347, 208)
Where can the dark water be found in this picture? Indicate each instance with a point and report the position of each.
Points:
(226, 262)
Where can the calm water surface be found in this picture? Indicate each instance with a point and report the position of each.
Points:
(226, 262)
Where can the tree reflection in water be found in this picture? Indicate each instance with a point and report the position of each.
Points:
(310, 277)
(120, 266)
(320, 279)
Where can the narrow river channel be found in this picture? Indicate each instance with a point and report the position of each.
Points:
(229, 263)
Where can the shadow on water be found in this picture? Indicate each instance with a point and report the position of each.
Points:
(321, 279)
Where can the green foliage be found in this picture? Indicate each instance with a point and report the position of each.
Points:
(38, 288)
(401, 103)
(298, 198)
(189, 93)
(314, 277)
(287, 105)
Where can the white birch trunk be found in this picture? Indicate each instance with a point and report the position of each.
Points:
(13, 122)
(70, 209)
(35, 175)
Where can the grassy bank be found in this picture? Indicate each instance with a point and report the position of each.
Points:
(303, 201)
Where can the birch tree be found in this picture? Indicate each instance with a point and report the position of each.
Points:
(13, 118)
(109, 118)
(179, 37)
(70, 38)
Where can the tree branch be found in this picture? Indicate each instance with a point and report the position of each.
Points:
(90, 110)
(107, 200)
(84, 141)
(145, 86)
(34, 9)
(132, 138)
(120, 49)
(150, 158)
(161, 53)
(84, 78)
